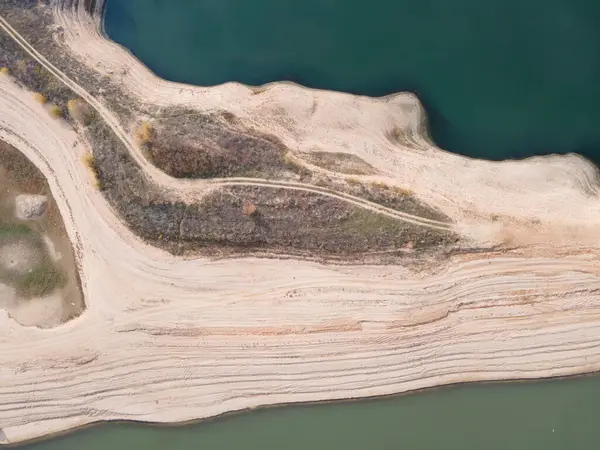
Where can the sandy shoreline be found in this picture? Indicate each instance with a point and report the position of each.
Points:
(169, 340)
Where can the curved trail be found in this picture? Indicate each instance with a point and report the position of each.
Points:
(198, 186)
(167, 340)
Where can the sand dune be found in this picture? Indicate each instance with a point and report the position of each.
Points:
(166, 339)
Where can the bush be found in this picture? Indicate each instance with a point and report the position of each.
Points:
(56, 111)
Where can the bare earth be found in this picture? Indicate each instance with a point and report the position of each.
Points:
(166, 339)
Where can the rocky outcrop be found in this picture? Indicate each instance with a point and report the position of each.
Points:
(30, 206)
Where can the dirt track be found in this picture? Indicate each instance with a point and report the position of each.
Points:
(166, 339)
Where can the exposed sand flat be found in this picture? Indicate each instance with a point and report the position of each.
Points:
(168, 340)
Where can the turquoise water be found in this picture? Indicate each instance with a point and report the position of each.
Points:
(515, 416)
(499, 78)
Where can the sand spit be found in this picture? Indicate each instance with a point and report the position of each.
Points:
(166, 340)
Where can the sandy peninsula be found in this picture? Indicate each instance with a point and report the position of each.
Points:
(168, 339)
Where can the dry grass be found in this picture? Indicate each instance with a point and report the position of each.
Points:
(402, 191)
(394, 189)
(4, 70)
(39, 98)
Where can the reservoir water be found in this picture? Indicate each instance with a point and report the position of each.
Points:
(499, 78)
(545, 415)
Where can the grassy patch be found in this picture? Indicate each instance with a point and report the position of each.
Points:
(40, 281)
(10, 230)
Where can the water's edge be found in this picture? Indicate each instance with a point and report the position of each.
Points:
(240, 412)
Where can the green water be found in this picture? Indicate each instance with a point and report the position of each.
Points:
(499, 78)
(515, 416)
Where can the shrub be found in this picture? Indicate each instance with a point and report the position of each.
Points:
(39, 98)
(56, 111)
(89, 162)
(80, 111)
(144, 133)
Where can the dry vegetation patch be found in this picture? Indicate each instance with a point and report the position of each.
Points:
(345, 163)
(194, 145)
(299, 222)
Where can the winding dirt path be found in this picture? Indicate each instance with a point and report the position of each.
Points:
(167, 340)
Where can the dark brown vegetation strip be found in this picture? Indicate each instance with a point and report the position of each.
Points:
(194, 145)
(262, 217)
